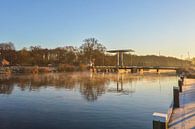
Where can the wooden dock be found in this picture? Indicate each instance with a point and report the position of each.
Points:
(184, 116)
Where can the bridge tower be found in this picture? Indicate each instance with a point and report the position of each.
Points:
(119, 56)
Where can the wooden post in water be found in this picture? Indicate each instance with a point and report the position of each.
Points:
(182, 78)
(180, 84)
(175, 97)
(159, 121)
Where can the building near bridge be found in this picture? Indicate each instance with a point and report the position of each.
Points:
(4, 62)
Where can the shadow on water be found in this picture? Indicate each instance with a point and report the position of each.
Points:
(91, 86)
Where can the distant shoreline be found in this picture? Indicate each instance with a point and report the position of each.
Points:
(40, 70)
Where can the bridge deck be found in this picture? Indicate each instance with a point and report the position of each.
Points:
(139, 67)
(184, 117)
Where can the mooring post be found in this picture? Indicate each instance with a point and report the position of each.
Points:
(159, 120)
(180, 84)
(182, 78)
(175, 97)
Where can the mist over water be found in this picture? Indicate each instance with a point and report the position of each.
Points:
(83, 100)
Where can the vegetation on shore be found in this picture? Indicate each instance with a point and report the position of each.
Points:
(71, 58)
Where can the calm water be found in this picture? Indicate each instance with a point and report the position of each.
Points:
(83, 101)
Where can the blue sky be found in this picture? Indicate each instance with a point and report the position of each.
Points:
(147, 26)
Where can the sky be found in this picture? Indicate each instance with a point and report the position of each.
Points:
(165, 27)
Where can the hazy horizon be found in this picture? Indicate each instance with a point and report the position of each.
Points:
(148, 27)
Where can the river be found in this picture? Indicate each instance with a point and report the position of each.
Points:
(83, 100)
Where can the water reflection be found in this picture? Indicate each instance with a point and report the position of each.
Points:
(91, 86)
(119, 81)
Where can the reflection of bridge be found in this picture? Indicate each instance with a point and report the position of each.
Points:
(133, 69)
(128, 89)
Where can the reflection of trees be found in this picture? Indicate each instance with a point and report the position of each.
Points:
(93, 87)
(90, 86)
(35, 82)
(6, 87)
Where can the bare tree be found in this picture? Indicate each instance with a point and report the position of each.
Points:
(92, 50)
(7, 46)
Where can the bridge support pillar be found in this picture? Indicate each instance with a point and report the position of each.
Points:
(158, 71)
(141, 71)
(121, 59)
(117, 59)
(122, 71)
(134, 70)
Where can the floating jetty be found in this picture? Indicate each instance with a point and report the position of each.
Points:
(183, 117)
(181, 114)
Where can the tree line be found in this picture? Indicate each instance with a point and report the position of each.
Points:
(91, 51)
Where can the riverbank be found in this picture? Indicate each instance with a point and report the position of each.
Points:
(26, 69)
(40, 69)
(184, 116)
(69, 68)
